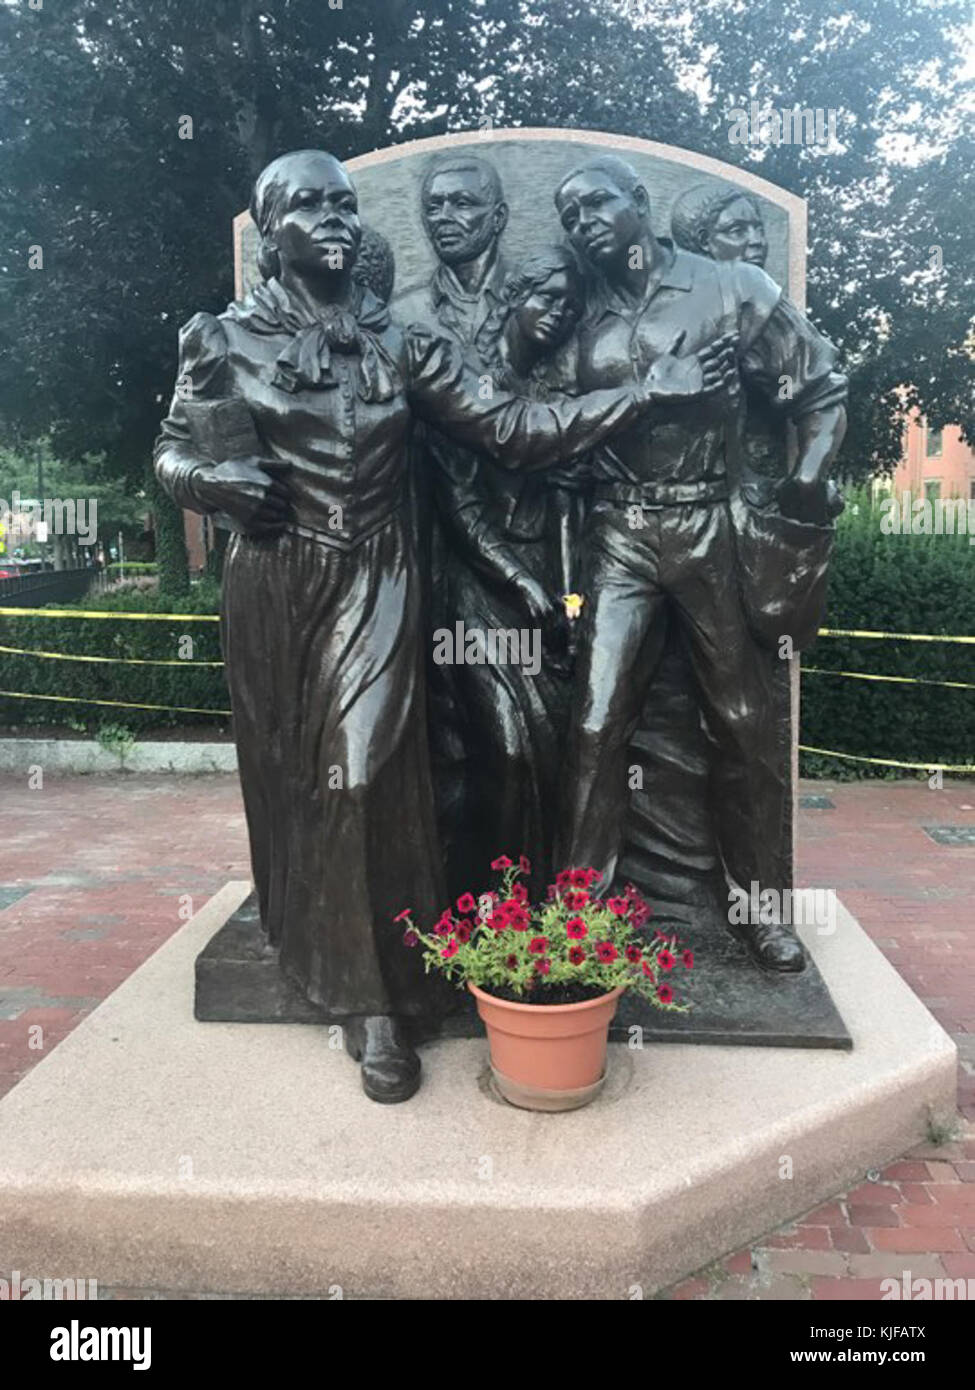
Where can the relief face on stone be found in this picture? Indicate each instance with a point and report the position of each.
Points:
(573, 390)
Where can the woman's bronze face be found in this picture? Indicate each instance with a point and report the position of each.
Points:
(738, 234)
(549, 314)
(317, 229)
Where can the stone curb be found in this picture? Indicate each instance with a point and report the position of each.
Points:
(59, 756)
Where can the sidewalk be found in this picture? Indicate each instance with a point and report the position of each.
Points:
(97, 872)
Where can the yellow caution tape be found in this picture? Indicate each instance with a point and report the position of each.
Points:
(117, 704)
(889, 762)
(133, 617)
(863, 676)
(110, 660)
(884, 636)
(215, 618)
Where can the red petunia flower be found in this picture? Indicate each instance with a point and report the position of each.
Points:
(666, 961)
(443, 929)
(618, 905)
(633, 953)
(511, 962)
(576, 928)
(450, 950)
(688, 959)
(497, 920)
(538, 945)
(410, 938)
(606, 951)
(402, 916)
(463, 933)
(563, 879)
(543, 966)
(665, 994)
(524, 864)
(519, 892)
(466, 903)
(648, 971)
(575, 898)
(576, 955)
(502, 862)
(579, 878)
(516, 917)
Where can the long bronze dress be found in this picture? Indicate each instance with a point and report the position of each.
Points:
(500, 525)
(321, 625)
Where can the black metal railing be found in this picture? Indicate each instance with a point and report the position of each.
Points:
(45, 586)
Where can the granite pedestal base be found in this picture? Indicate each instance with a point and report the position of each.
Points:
(151, 1152)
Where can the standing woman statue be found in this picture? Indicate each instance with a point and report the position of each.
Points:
(510, 554)
(320, 617)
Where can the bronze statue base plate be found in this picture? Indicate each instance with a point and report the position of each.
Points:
(733, 1002)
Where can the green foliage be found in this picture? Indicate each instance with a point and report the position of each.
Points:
(539, 954)
(30, 470)
(118, 569)
(117, 739)
(134, 221)
(182, 685)
(892, 583)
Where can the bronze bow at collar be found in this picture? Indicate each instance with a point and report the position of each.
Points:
(306, 363)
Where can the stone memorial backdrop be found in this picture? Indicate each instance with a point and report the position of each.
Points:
(531, 162)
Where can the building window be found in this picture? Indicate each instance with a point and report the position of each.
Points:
(934, 443)
(932, 489)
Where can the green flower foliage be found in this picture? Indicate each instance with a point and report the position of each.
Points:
(569, 948)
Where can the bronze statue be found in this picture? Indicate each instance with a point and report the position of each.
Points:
(720, 222)
(321, 605)
(660, 540)
(497, 550)
(510, 541)
(671, 844)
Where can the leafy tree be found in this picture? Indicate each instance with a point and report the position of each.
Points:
(132, 220)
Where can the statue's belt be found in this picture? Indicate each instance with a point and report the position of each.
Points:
(332, 539)
(663, 494)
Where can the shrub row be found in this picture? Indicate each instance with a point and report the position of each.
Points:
(175, 686)
(892, 583)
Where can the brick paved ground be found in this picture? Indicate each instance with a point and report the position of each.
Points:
(96, 872)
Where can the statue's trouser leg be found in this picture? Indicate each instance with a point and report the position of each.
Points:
(734, 681)
(684, 553)
(620, 644)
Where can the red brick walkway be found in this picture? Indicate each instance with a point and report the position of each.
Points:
(109, 867)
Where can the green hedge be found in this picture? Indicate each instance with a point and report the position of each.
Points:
(892, 583)
(181, 686)
(125, 568)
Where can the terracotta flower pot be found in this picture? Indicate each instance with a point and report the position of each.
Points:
(547, 1056)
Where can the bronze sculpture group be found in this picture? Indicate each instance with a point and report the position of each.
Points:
(472, 452)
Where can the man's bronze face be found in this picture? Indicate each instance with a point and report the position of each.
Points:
(601, 220)
(461, 217)
(738, 234)
(317, 230)
(550, 312)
